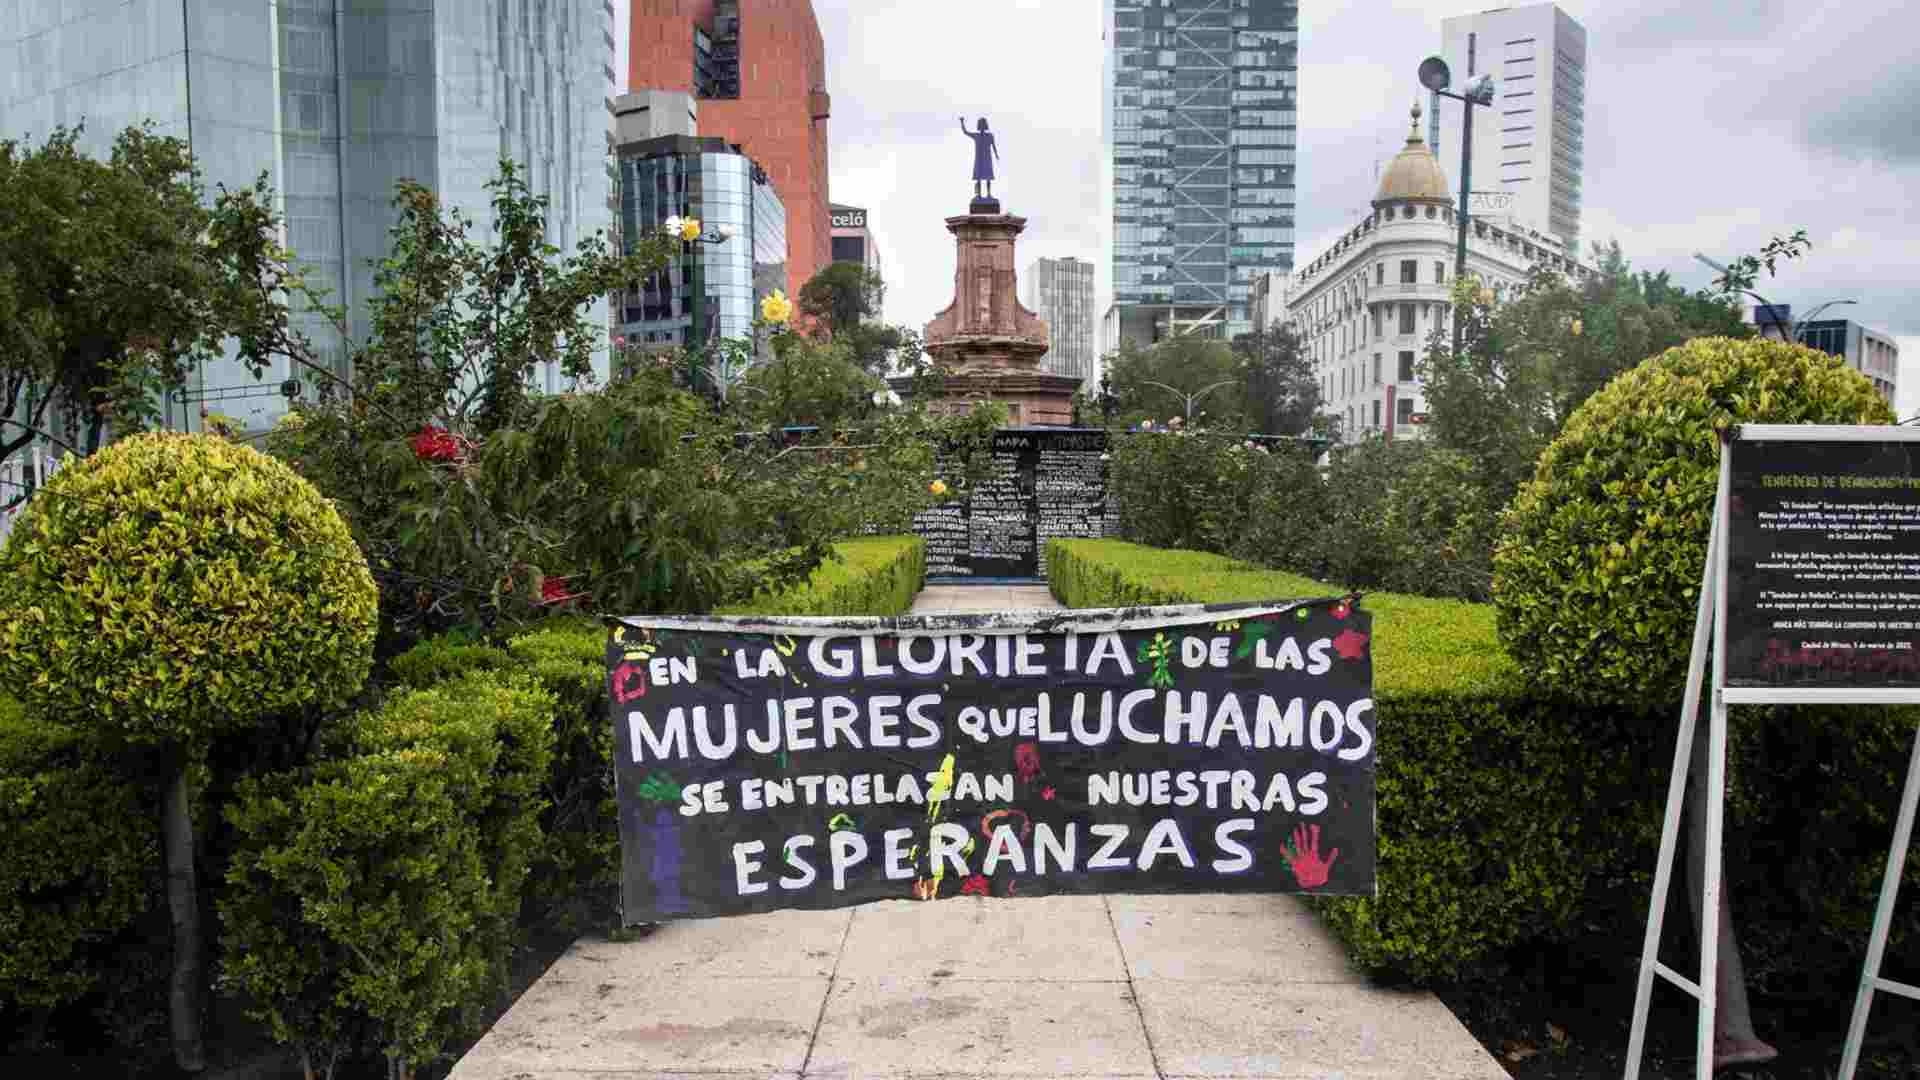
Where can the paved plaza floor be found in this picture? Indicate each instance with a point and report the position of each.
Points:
(1066, 986)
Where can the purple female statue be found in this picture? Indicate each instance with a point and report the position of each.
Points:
(984, 151)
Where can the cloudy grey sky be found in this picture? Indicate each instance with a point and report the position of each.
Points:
(1710, 128)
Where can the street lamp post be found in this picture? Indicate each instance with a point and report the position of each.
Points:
(1189, 398)
(696, 279)
(1435, 77)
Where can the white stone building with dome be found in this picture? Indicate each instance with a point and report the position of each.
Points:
(1366, 307)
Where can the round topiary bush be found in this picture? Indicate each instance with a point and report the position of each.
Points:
(1597, 572)
(174, 586)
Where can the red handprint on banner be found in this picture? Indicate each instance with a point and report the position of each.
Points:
(1304, 857)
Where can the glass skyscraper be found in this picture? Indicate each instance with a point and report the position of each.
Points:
(712, 290)
(335, 100)
(1199, 119)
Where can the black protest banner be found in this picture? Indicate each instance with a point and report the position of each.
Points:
(1823, 564)
(814, 763)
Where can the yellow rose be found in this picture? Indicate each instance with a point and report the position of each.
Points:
(938, 487)
(776, 308)
(690, 228)
(1574, 327)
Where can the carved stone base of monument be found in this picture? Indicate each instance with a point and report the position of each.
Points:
(987, 340)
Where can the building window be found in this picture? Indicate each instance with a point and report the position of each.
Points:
(1380, 273)
(1379, 322)
(1376, 369)
(1376, 413)
(1409, 272)
(1406, 365)
(1406, 319)
(1440, 273)
(1403, 411)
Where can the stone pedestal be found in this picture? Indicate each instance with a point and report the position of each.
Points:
(989, 343)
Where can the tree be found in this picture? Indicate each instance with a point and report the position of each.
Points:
(1189, 365)
(118, 278)
(841, 295)
(170, 589)
(1282, 393)
(1529, 362)
(810, 384)
(844, 297)
(459, 328)
(457, 331)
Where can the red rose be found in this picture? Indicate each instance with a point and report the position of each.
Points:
(435, 443)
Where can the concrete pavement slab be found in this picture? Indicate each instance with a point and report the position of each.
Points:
(609, 1016)
(567, 1073)
(1319, 1031)
(1041, 939)
(779, 944)
(1227, 939)
(984, 598)
(896, 1027)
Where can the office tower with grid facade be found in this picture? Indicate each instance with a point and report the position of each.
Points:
(1528, 147)
(1199, 121)
(336, 101)
(1061, 291)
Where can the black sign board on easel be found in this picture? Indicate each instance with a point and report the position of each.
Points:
(1810, 595)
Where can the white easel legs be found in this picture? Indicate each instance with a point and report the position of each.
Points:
(1707, 617)
(1870, 979)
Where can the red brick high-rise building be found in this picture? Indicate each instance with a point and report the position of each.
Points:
(759, 71)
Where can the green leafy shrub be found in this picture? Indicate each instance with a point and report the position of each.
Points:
(1404, 516)
(576, 878)
(876, 575)
(1214, 493)
(1286, 504)
(372, 903)
(1598, 571)
(172, 585)
(1811, 799)
(1508, 817)
(435, 660)
(172, 589)
(79, 864)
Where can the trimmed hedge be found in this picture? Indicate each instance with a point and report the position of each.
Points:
(372, 903)
(1419, 642)
(1506, 817)
(79, 864)
(875, 575)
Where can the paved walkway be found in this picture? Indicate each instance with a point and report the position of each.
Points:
(1067, 986)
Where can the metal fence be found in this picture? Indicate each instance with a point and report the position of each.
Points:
(19, 475)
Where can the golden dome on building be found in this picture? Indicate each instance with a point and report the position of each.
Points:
(1414, 173)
